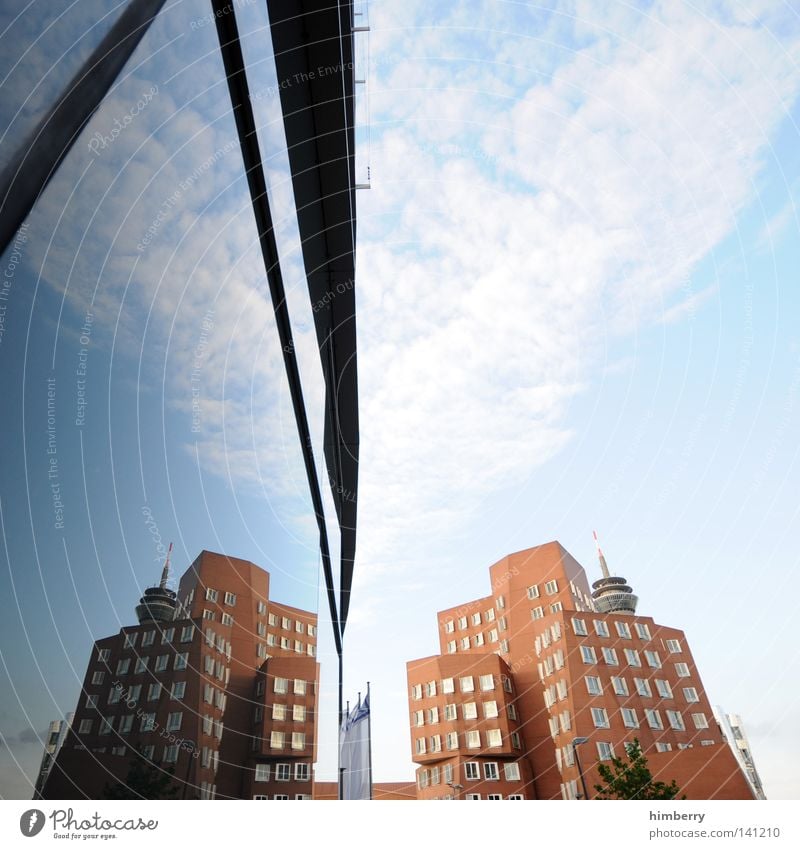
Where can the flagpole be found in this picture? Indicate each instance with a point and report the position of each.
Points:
(369, 739)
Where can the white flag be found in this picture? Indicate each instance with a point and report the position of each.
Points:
(355, 755)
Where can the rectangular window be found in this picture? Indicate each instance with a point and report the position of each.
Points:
(579, 627)
(690, 694)
(114, 695)
(276, 739)
(557, 607)
(125, 723)
(433, 716)
(464, 643)
(85, 727)
(487, 682)
(564, 719)
(154, 692)
(211, 595)
(675, 720)
(682, 669)
(476, 618)
(473, 739)
(653, 660)
(174, 721)
(467, 684)
(430, 689)
(302, 772)
(167, 636)
(512, 712)
(477, 640)
(261, 607)
(588, 655)
(643, 631)
(449, 626)
(663, 688)
(533, 591)
(491, 771)
(462, 623)
(122, 666)
(623, 630)
(511, 772)
(281, 685)
(593, 686)
(421, 745)
(470, 710)
(298, 713)
(653, 719)
(632, 657)
(91, 701)
(279, 713)
(516, 741)
(272, 619)
(472, 771)
(450, 713)
(106, 725)
(642, 687)
(283, 772)
(230, 599)
(181, 660)
(262, 772)
(97, 677)
(436, 743)
(551, 587)
(416, 691)
(537, 613)
(490, 710)
(605, 751)
(208, 693)
(629, 719)
(494, 738)
(141, 664)
(663, 747)
(186, 633)
(148, 722)
(699, 720)
(133, 693)
(452, 647)
(103, 655)
(130, 640)
(451, 740)
(161, 662)
(227, 619)
(674, 646)
(610, 656)
(298, 740)
(620, 686)
(600, 718)
(178, 690)
(600, 628)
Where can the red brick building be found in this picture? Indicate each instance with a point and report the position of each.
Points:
(215, 687)
(547, 668)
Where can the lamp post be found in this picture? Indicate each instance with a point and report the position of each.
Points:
(455, 788)
(579, 741)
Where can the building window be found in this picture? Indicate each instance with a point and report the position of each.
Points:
(643, 631)
(170, 754)
(450, 712)
(624, 630)
(433, 716)
(283, 772)
(211, 595)
(682, 670)
(130, 640)
(174, 721)
(227, 619)
(487, 682)
(467, 684)
(430, 689)
(186, 633)
(699, 720)
(632, 657)
(593, 686)
(588, 655)
(512, 712)
(565, 721)
(462, 623)
(507, 684)
(302, 772)
(675, 720)
(272, 619)
(451, 740)
(123, 666)
(148, 722)
(262, 772)
(516, 741)
(106, 725)
(298, 646)
(416, 691)
(472, 771)
(141, 665)
(298, 740)
(470, 710)
(167, 636)
(114, 695)
(551, 587)
(279, 713)
(653, 660)
(298, 713)
(600, 718)
(276, 740)
(674, 646)
(299, 687)
(154, 692)
(494, 738)
(654, 719)
(690, 694)
(125, 723)
(449, 626)
(600, 628)
(261, 607)
(537, 613)
(103, 655)
(663, 747)
(610, 656)
(230, 599)
(161, 662)
(436, 743)
(579, 627)
(91, 701)
(605, 751)
(491, 771)
(473, 739)
(533, 591)
(629, 718)
(178, 690)
(490, 710)
(452, 647)
(477, 640)
(642, 687)
(448, 685)
(421, 746)
(97, 677)
(281, 685)
(133, 694)
(181, 660)
(620, 686)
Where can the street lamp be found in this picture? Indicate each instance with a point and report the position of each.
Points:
(579, 741)
(455, 788)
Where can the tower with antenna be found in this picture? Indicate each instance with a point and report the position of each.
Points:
(158, 604)
(611, 594)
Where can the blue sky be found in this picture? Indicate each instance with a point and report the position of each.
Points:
(578, 302)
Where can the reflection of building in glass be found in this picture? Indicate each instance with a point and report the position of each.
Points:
(56, 733)
(543, 679)
(216, 687)
(733, 731)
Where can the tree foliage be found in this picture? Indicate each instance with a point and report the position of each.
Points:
(629, 778)
(144, 781)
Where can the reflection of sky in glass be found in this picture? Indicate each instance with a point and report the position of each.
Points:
(576, 298)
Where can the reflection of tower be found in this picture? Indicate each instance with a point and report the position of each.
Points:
(158, 603)
(611, 595)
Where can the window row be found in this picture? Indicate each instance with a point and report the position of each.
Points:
(147, 722)
(283, 797)
(619, 685)
(538, 612)
(469, 710)
(623, 629)
(282, 713)
(148, 639)
(285, 643)
(213, 595)
(632, 657)
(550, 588)
(283, 772)
(295, 739)
(288, 625)
(466, 684)
(470, 740)
(132, 695)
(464, 621)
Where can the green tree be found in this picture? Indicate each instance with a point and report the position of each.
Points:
(144, 781)
(631, 779)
